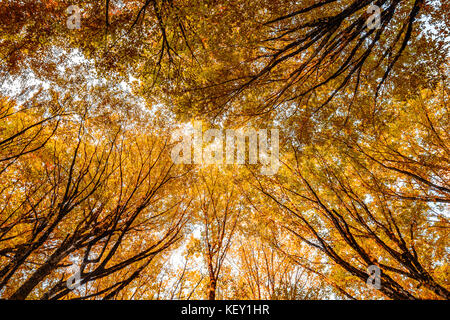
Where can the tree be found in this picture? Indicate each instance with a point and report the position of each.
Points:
(218, 213)
(265, 273)
(361, 210)
(86, 197)
(357, 89)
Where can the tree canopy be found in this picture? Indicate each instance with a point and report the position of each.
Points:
(93, 205)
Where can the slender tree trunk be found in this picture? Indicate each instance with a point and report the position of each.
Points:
(212, 289)
(436, 288)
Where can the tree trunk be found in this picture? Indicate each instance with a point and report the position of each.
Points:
(212, 289)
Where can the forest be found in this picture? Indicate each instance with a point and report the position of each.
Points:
(224, 150)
